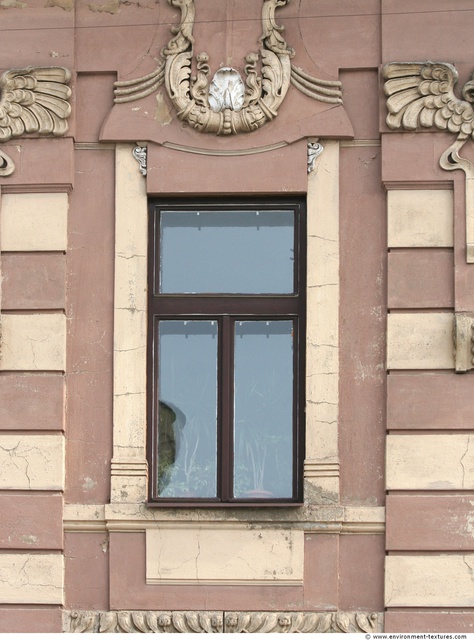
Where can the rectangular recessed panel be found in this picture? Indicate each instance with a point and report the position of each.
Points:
(34, 222)
(430, 462)
(223, 555)
(420, 341)
(420, 218)
(31, 578)
(429, 581)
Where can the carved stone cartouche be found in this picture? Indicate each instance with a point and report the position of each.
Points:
(229, 105)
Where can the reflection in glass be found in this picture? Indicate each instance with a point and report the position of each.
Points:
(227, 251)
(187, 413)
(263, 409)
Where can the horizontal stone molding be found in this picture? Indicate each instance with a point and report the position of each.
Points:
(34, 222)
(420, 341)
(127, 517)
(33, 462)
(430, 462)
(32, 342)
(221, 622)
(420, 218)
(313, 469)
(429, 580)
(31, 578)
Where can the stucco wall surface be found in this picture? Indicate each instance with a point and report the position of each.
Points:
(389, 415)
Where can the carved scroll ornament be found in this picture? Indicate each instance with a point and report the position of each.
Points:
(220, 622)
(32, 100)
(421, 95)
(228, 105)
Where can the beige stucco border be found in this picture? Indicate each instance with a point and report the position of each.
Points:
(129, 467)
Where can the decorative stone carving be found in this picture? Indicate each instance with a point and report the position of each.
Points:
(229, 105)
(221, 622)
(143, 622)
(140, 155)
(421, 94)
(7, 166)
(303, 622)
(227, 91)
(32, 100)
(315, 149)
(464, 341)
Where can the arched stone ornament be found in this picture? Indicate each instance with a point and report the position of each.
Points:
(421, 94)
(32, 100)
(228, 104)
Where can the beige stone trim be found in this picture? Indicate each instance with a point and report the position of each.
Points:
(129, 517)
(224, 555)
(431, 461)
(464, 341)
(31, 578)
(420, 341)
(32, 462)
(322, 346)
(33, 342)
(221, 622)
(429, 581)
(420, 218)
(129, 469)
(34, 222)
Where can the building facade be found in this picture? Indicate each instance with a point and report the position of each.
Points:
(212, 211)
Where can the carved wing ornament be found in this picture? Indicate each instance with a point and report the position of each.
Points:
(228, 104)
(421, 95)
(32, 100)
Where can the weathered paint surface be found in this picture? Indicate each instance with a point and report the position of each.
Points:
(386, 276)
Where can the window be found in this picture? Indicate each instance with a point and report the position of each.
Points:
(226, 342)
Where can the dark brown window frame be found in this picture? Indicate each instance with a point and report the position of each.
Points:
(227, 309)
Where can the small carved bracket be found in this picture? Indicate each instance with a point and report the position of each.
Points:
(315, 149)
(140, 155)
(7, 166)
(464, 341)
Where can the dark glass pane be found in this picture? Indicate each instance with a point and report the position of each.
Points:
(263, 409)
(187, 429)
(245, 252)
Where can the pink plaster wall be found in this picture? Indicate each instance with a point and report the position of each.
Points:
(345, 39)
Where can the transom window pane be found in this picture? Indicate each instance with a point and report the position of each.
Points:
(187, 410)
(245, 252)
(263, 409)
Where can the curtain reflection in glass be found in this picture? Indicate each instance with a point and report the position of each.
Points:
(263, 409)
(187, 415)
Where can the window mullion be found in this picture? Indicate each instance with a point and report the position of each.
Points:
(226, 408)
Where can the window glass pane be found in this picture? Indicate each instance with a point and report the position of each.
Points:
(243, 251)
(187, 431)
(263, 409)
